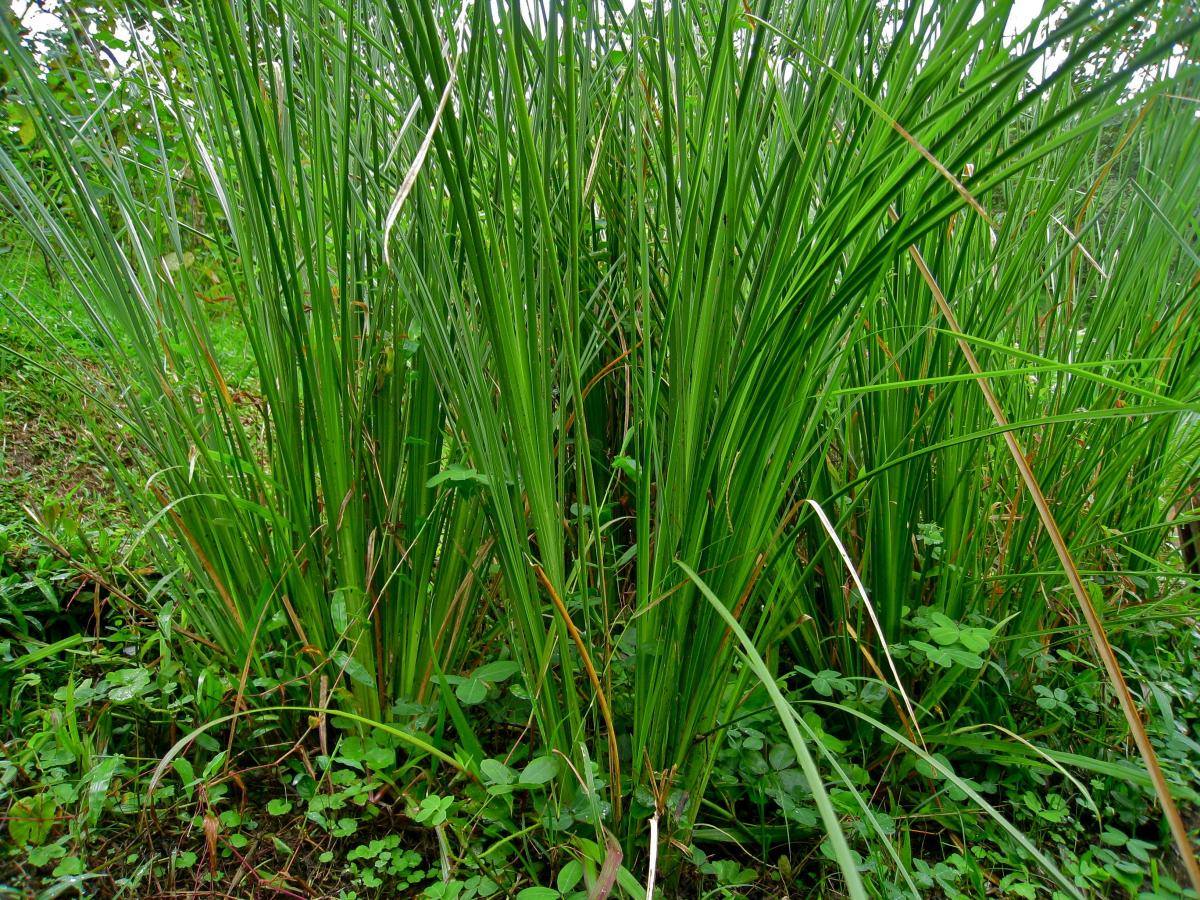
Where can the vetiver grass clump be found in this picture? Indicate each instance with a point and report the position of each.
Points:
(677, 363)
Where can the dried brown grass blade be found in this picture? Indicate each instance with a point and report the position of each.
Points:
(614, 764)
(607, 879)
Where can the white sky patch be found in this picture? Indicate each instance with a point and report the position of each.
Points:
(36, 19)
(1023, 14)
(43, 19)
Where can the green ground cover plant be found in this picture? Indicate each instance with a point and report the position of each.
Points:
(588, 449)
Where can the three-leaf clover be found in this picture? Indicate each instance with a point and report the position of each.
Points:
(473, 688)
(433, 810)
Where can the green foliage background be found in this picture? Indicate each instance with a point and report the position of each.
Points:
(470, 384)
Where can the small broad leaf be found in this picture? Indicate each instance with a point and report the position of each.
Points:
(40, 856)
(944, 631)
(500, 670)
(337, 611)
(184, 770)
(458, 476)
(433, 810)
(354, 670)
(1114, 838)
(782, 757)
(937, 655)
(71, 865)
(977, 640)
(947, 657)
(965, 658)
(540, 770)
(628, 465)
(380, 758)
(497, 772)
(569, 876)
(926, 768)
(471, 691)
(31, 818)
(126, 684)
(344, 827)
(214, 765)
(827, 681)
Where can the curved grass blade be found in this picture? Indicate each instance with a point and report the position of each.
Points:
(787, 715)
